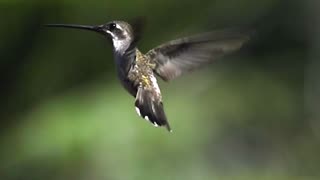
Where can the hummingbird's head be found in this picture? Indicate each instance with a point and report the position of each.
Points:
(119, 32)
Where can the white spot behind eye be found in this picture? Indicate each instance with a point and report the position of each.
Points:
(119, 27)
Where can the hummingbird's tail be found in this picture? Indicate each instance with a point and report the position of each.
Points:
(151, 108)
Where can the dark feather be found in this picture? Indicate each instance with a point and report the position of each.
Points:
(151, 108)
(178, 56)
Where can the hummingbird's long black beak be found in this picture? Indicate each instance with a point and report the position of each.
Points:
(76, 26)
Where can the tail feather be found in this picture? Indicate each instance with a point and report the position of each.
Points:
(151, 108)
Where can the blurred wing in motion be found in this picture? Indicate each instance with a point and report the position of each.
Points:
(182, 55)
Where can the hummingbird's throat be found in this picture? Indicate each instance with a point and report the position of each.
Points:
(121, 44)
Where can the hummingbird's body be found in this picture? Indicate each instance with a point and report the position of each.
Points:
(136, 71)
(137, 77)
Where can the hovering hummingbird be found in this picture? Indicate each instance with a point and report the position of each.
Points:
(136, 70)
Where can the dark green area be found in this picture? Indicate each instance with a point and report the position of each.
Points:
(251, 115)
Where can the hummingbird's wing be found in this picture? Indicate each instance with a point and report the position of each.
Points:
(137, 25)
(182, 55)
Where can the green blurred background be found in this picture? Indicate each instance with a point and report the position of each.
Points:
(250, 115)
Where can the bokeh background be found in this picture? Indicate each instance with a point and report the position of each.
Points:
(251, 115)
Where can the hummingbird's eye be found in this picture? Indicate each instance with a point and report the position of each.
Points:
(112, 26)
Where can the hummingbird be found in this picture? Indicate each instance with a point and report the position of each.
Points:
(137, 71)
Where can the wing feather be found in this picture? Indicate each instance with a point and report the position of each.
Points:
(186, 54)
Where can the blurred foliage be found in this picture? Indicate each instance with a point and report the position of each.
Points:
(251, 115)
